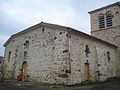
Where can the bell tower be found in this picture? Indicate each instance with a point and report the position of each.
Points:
(105, 25)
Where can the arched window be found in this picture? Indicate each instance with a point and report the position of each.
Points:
(9, 55)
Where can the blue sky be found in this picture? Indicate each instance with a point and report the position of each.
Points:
(17, 15)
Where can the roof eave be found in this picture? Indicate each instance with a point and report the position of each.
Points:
(58, 26)
(6, 43)
(77, 31)
(21, 32)
(105, 7)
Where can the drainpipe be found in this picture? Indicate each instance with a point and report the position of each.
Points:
(69, 51)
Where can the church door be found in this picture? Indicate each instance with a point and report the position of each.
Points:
(86, 71)
(24, 70)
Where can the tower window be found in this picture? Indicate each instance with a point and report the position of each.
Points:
(101, 21)
(109, 17)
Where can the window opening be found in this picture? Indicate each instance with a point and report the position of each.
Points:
(101, 21)
(9, 55)
(109, 19)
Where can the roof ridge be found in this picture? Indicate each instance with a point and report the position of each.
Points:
(55, 25)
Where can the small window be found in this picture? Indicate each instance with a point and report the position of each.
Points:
(101, 21)
(109, 17)
(9, 55)
(60, 33)
(87, 51)
(25, 54)
(55, 38)
(26, 44)
(108, 55)
(43, 30)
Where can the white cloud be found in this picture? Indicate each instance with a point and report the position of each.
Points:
(54, 12)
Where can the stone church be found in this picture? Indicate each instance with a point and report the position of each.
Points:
(55, 54)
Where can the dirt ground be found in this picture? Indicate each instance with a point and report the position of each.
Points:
(14, 85)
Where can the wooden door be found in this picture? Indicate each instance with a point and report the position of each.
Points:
(86, 71)
(24, 70)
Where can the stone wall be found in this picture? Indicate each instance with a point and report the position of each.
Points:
(1, 68)
(111, 35)
(44, 50)
(95, 53)
(58, 56)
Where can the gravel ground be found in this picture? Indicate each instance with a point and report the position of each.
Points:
(14, 85)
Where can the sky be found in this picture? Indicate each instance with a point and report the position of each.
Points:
(17, 15)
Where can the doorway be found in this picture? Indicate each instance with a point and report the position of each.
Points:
(24, 71)
(86, 71)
